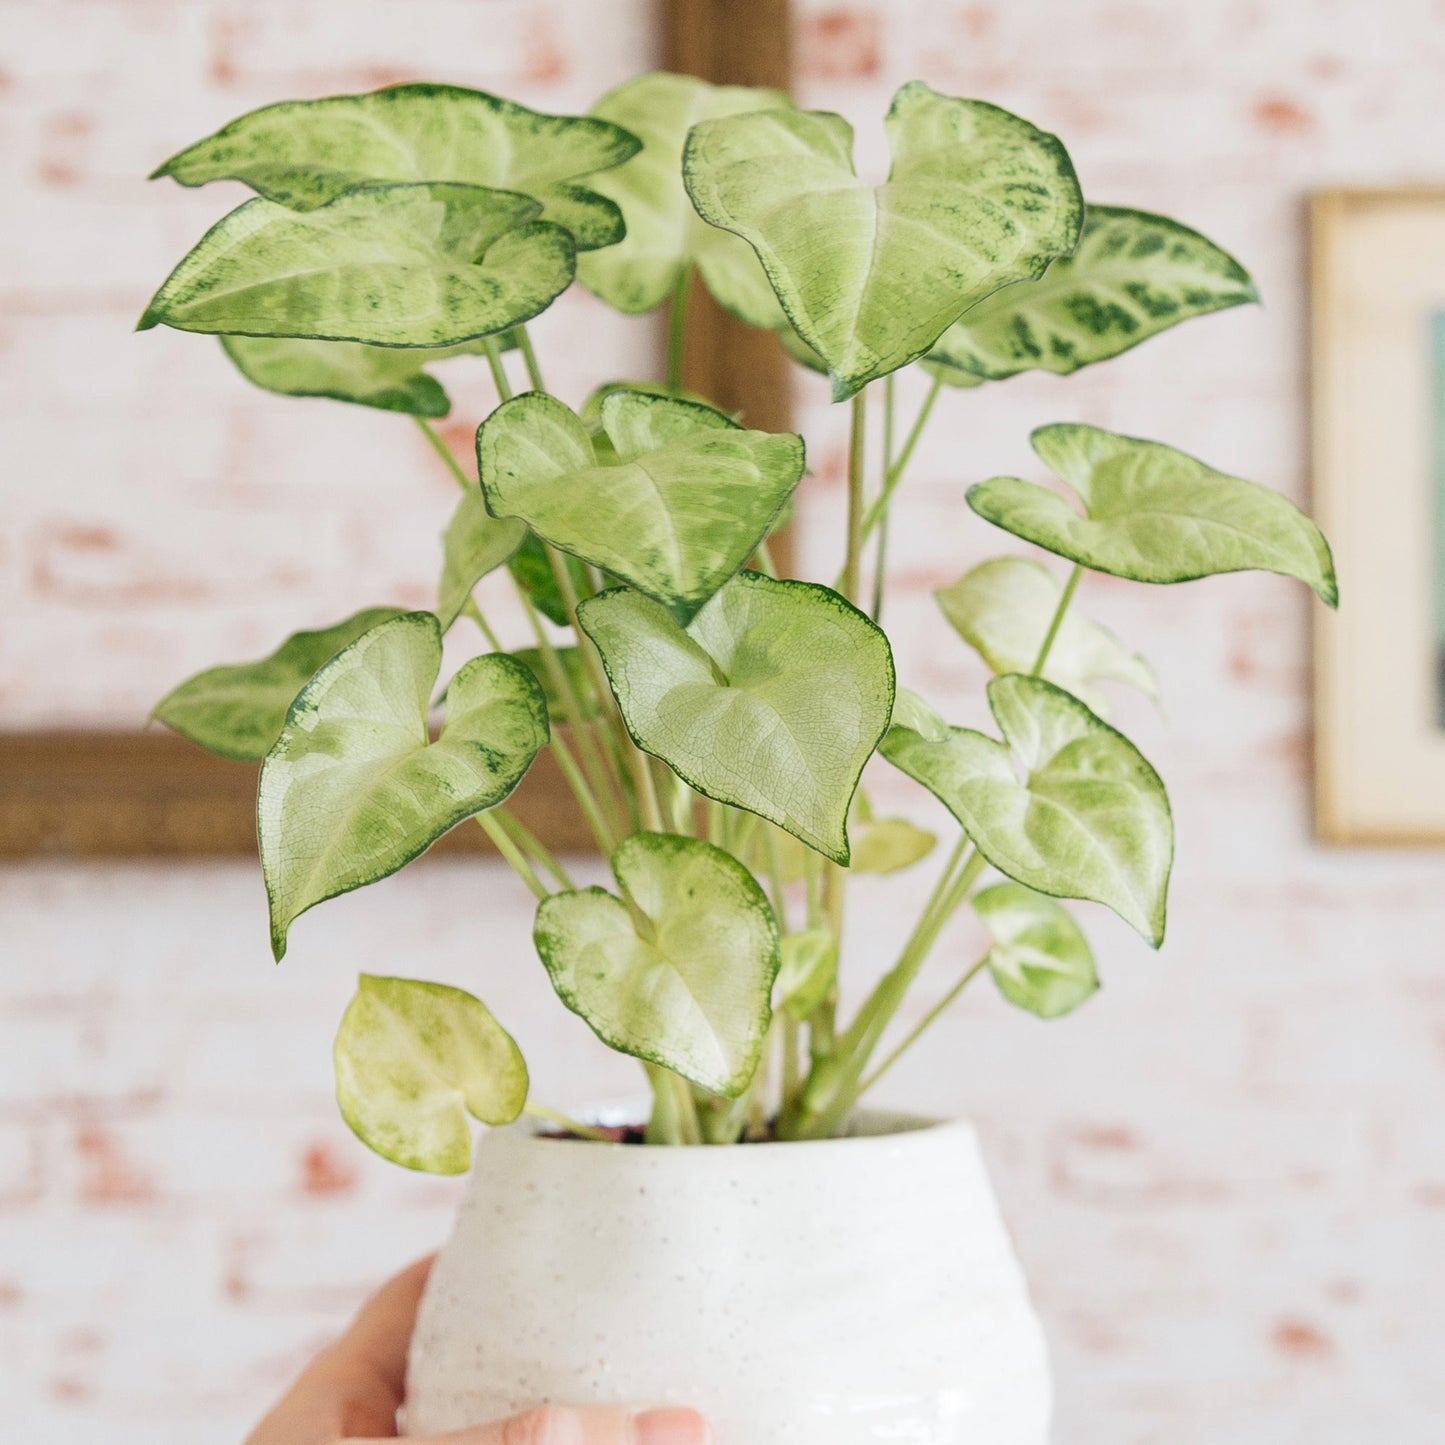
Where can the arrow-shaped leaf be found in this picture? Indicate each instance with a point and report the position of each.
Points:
(1065, 805)
(354, 789)
(772, 699)
(680, 969)
(1154, 514)
(1003, 608)
(424, 265)
(1132, 276)
(1040, 959)
(665, 237)
(238, 710)
(675, 504)
(413, 1060)
(305, 153)
(475, 544)
(389, 378)
(871, 276)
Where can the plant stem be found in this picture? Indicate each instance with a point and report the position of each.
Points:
(928, 1019)
(880, 503)
(513, 854)
(674, 1112)
(825, 1115)
(529, 357)
(1065, 598)
(499, 372)
(857, 465)
(444, 452)
(765, 559)
(470, 609)
(569, 1125)
(880, 559)
(533, 846)
(677, 329)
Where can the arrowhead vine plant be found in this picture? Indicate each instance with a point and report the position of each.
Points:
(712, 719)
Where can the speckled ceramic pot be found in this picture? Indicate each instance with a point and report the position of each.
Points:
(856, 1290)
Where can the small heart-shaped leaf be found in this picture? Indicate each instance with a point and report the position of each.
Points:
(679, 970)
(354, 789)
(665, 237)
(675, 504)
(869, 276)
(808, 972)
(389, 378)
(772, 699)
(1132, 276)
(238, 710)
(413, 1060)
(1003, 608)
(475, 544)
(304, 153)
(1154, 514)
(429, 266)
(1066, 805)
(1040, 959)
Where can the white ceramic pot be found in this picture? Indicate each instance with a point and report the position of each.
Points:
(855, 1290)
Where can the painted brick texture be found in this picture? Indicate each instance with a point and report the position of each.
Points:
(1226, 1175)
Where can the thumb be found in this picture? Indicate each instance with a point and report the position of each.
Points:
(557, 1425)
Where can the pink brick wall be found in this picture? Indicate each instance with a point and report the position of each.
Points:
(1227, 1175)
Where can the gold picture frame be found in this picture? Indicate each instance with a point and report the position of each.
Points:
(1378, 397)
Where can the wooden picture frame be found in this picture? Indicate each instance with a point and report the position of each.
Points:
(139, 794)
(1378, 395)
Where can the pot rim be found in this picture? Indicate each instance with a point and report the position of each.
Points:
(866, 1128)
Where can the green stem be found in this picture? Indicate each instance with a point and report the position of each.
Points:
(470, 609)
(568, 1125)
(880, 559)
(513, 854)
(499, 372)
(529, 357)
(922, 1026)
(857, 462)
(677, 329)
(765, 559)
(445, 453)
(1065, 598)
(534, 847)
(674, 1110)
(879, 506)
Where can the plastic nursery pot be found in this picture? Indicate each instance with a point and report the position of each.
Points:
(831, 1293)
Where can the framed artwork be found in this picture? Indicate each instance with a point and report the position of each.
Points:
(129, 793)
(1379, 479)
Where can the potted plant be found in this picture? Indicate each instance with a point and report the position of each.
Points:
(848, 1279)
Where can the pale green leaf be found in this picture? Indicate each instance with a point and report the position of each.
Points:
(808, 972)
(1003, 608)
(1065, 805)
(772, 699)
(678, 971)
(354, 789)
(1040, 959)
(888, 845)
(475, 544)
(677, 504)
(389, 378)
(427, 265)
(413, 1060)
(238, 710)
(665, 237)
(1132, 276)
(1154, 514)
(305, 153)
(912, 711)
(871, 276)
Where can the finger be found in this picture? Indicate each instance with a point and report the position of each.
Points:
(556, 1425)
(356, 1386)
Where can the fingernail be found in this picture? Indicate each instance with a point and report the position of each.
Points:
(671, 1427)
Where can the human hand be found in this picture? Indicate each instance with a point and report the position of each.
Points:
(352, 1391)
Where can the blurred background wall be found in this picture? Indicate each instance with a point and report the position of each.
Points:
(1226, 1175)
